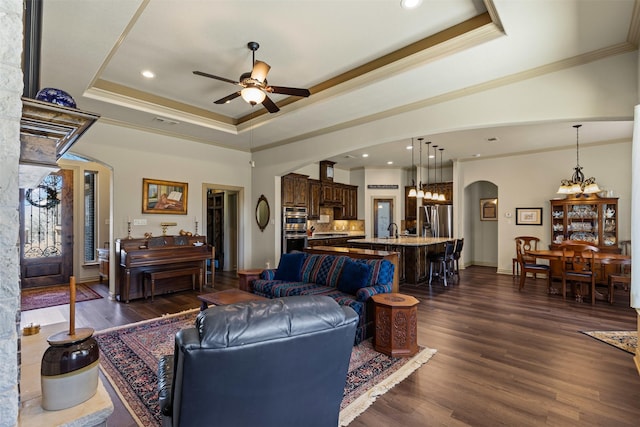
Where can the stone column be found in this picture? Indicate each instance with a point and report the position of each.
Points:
(10, 112)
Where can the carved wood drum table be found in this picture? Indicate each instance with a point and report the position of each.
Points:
(396, 322)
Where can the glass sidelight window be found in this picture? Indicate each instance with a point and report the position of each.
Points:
(90, 207)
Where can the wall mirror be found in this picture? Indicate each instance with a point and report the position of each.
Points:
(262, 212)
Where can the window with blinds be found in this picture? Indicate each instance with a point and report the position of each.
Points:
(90, 230)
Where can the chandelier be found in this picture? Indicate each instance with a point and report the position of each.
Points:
(441, 196)
(578, 184)
(427, 194)
(420, 194)
(435, 196)
(412, 191)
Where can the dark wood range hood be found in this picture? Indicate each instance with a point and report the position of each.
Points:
(47, 131)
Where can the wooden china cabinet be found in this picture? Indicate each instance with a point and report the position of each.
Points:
(590, 219)
(593, 220)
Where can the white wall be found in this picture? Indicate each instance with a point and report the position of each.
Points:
(135, 154)
(375, 176)
(532, 180)
(604, 89)
(82, 271)
(481, 243)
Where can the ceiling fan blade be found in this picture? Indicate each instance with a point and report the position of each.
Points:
(289, 91)
(270, 105)
(211, 76)
(227, 98)
(260, 70)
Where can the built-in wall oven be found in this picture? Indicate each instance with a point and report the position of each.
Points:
(294, 229)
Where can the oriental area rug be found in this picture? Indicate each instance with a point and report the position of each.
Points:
(48, 296)
(624, 340)
(129, 358)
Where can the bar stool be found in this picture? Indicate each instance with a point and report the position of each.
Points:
(444, 260)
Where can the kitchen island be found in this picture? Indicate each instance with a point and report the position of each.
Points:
(413, 266)
(335, 238)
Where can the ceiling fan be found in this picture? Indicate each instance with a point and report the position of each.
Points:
(254, 85)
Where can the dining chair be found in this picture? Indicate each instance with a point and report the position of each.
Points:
(528, 263)
(579, 266)
(620, 276)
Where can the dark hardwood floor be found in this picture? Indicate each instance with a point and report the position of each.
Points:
(504, 357)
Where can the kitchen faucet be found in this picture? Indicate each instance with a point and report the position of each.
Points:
(390, 229)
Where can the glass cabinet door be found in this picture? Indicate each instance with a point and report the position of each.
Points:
(557, 224)
(609, 224)
(582, 223)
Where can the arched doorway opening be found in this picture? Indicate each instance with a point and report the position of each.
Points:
(481, 224)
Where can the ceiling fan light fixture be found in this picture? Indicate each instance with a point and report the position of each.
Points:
(253, 95)
(260, 70)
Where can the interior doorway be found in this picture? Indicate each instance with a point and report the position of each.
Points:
(222, 219)
(46, 231)
(382, 217)
(215, 226)
(481, 246)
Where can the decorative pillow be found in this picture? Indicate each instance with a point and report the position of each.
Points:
(290, 266)
(353, 277)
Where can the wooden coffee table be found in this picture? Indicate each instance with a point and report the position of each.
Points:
(226, 297)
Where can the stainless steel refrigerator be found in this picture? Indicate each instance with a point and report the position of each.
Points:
(439, 219)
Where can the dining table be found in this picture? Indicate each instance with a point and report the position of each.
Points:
(602, 258)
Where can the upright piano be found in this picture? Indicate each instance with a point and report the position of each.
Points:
(135, 257)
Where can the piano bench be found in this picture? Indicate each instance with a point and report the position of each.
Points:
(152, 276)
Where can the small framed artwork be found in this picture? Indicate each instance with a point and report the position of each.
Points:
(488, 209)
(528, 216)
(164, 197)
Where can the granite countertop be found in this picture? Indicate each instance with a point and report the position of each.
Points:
(404, 241)
(335, 235)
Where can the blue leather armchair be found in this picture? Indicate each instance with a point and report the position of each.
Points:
(280, 362)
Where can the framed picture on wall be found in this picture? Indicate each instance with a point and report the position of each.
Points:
(488, 209)
(528, 216)
(164, 197)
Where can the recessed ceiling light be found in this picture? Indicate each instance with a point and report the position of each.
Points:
(389, 162)
(475, 155)
(365, 155)
(148, 74)
(492, 139)
(409, 147)
(431, 156)
(410, 4)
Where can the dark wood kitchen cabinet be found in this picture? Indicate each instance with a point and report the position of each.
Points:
(352, 201)
(294, 190)
(348, 208)
(313, 198)
(331, 194)
(410, 205)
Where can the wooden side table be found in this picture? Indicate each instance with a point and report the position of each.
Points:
(246, 277)
(396, 323)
